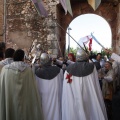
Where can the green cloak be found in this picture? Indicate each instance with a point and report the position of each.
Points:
(19, 99)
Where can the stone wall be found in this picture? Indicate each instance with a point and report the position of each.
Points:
(25, 25)
(118, 31)
(1, 20)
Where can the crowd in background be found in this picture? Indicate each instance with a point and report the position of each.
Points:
(108, 71)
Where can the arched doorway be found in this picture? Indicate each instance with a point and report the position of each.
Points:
(85, 24)
(106, 10)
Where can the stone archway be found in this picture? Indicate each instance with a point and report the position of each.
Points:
(107, 10)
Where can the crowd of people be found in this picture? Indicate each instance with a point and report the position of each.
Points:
(78, 88)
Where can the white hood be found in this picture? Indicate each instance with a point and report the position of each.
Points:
(6, 61)
(18, 66)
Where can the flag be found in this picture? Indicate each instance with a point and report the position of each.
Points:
(63, 3)
(90, 44)
(67, 6)
(86, 40)
(94, 3)
(40, 8)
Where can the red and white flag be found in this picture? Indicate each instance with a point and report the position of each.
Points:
(87, 40)
(90, 44)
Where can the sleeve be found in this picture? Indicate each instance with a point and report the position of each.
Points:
(70, 62)
(109, 77)
(115, 57)
(59, 62)
(115, 68)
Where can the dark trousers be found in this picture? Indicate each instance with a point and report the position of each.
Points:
(116, 106)
(108, 104)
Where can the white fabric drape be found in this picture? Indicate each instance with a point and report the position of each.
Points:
(50, 92)
(82, 99)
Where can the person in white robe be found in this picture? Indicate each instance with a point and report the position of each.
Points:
(108, 79)
(116, 58)
(8, 57)
(49, 80)
(82, 98)
(107, 75)
(19, 97)
(116, 96)
(115, 66)
(113, 55)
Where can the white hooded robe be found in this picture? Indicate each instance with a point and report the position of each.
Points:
(82, 98)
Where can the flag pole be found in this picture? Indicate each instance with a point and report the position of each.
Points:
(69, 39)
(85, 48)
(70, 36)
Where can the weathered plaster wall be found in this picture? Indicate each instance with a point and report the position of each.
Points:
(24, 25)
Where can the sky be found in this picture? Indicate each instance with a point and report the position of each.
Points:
(86, 24)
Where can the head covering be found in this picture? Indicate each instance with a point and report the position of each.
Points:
(81, 55)
(45, 59)
(72, 55)
(47, 71)
(109, 62)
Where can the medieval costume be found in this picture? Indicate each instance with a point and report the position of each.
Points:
(19, 98)
(49, 80)
(62, 64)
(5, 62)
(82, 98)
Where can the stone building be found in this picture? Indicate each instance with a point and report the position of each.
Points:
(24, 25)
(108, 9)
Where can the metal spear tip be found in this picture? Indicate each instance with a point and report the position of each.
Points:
(69, 28)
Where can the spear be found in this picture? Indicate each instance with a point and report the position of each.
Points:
(97, 41)
(70, 36)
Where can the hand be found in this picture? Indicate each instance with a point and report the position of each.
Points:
(100, 76)
(107, 51)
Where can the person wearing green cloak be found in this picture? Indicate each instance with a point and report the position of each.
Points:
(19, 98)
